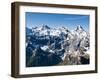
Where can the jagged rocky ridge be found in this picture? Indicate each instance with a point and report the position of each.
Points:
(47, 46)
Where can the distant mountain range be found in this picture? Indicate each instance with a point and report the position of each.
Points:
(47, 46)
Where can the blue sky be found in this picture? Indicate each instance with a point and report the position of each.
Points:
(57, 20)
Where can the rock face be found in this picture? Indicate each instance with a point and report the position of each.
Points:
(47, 46)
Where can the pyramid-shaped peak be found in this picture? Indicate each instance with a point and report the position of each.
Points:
(41, 27)
(79, 27)
(45, 27)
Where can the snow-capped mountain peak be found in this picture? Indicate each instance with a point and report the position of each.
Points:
(40, 28)
(43, 27)
(79, 28)
(80, 31)
(63, 29)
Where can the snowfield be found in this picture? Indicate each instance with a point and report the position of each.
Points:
(57, 46)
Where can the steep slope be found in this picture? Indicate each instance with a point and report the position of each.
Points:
(58, 45)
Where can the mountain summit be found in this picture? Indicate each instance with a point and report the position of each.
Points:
(79, 28)
(43, 27)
